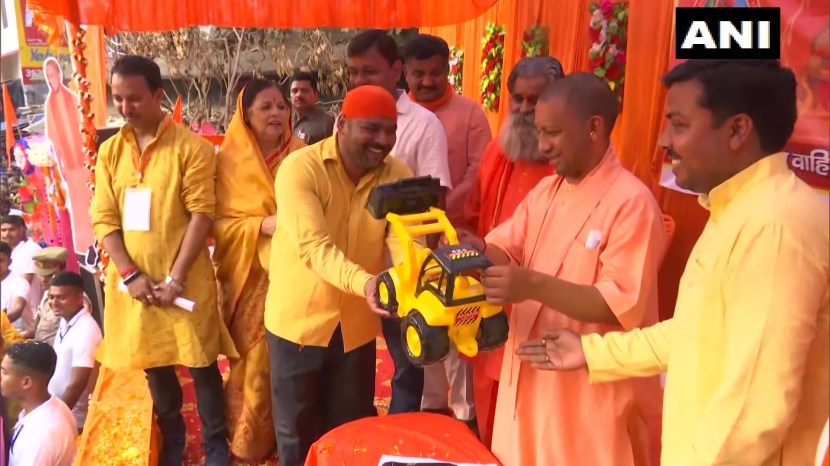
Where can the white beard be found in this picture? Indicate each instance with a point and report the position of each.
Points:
(519, 138)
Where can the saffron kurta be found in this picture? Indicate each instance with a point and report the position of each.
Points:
(747, 350)
(500, 185)
(244, 198)
(607, 232)
(180, 174)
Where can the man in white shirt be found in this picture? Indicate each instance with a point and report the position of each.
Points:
(373, 58)
(49, 262)
(13, 232)
(45, 434)
(75, 344)
(14, 294)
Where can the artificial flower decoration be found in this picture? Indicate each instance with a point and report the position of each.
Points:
(608, 33)
(535, 41)
(456, 68)
(491, 66)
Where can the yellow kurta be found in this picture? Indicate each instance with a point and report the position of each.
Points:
(180, 173)
(747, 350)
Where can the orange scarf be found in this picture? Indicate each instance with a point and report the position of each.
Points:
(449, 92)
(244, 196)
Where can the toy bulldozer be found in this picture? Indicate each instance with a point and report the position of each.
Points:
(434, 292)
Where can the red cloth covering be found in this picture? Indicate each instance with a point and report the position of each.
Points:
(420, 435)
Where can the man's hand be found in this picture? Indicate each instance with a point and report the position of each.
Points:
(268, 225)
(506, 284)
(370, 290)
(165, 294)
(141, 289)
(559, 350)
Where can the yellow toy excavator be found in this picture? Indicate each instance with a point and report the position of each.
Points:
(434, 291)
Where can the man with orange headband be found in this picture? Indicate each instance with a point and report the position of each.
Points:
(325, 253)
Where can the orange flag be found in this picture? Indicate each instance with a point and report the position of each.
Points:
(10, 119)
(177, 110)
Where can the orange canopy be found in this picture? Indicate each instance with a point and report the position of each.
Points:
(162, 15)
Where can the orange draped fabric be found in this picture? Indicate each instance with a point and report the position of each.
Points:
(96, 72)
(162, 15)
(365, 441)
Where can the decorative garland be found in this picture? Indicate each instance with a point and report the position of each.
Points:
(491, 65)
(608, 33)
(90, 134)
(456, 68)
(535, 42)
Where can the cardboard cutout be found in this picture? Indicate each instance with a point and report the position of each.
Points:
(63, 124)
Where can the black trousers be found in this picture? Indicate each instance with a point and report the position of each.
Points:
(408, 381)
(167, 403)
(315, 389)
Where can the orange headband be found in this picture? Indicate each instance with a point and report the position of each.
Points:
(369, 102)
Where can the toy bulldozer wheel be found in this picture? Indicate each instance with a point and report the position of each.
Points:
(387, 298)
(492, 332)
(424, 343)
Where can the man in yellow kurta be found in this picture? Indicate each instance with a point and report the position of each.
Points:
(152, 210)
(326, 252)
(746, 352)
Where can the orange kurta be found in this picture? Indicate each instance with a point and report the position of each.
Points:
(63, 130)
(607, 232)
(244, 198)
(499, 187)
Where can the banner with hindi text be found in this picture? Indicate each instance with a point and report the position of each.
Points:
(805, 48)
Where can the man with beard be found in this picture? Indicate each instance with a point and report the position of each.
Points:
(747, 350)
(581, 251)
(311, 123)
(511, 166)
(325, 254)
(426, 60)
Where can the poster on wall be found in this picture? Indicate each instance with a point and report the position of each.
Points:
(805, 48)
(34, 48)
(60, 111)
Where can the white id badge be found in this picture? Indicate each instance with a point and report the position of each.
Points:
(136, 209)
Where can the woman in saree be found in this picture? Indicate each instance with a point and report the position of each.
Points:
(257, 141)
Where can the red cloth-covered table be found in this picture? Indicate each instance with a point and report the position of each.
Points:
(421, 435)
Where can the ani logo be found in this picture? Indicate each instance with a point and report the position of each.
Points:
(462, 253)
(728, 33)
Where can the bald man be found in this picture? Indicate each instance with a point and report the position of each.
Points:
(325, 253)
(581, 251)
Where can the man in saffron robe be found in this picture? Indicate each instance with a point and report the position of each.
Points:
(511, 166)
(581, 251)
(63, 130)
(426, 60)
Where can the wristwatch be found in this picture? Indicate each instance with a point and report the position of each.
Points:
(172, 282)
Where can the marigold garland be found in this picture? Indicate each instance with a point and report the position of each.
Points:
(456, 68)
(90, 134)
(608, 34)
(491, 65)
(535, 41)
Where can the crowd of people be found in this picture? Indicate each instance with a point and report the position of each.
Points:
(575, 239)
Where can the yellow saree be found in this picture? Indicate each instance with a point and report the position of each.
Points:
(244, 197)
